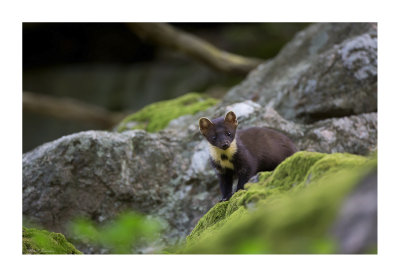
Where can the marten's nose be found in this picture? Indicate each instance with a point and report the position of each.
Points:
(225, 146)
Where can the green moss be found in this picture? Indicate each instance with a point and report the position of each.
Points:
(293, 172)
(287, 211)
(156, 116)
(205, 234)
(36, 241)
(212, 217)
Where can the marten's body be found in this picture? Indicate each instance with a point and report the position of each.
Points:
(243, 153)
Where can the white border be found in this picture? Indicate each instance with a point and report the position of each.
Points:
(14, 13)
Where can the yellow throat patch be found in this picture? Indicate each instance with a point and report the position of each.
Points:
(216, 154)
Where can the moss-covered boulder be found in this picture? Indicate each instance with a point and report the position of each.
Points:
(156, 116)
(36, 241)
(289, 210)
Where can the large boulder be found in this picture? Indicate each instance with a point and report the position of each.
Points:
(327, 70)
(99, 174)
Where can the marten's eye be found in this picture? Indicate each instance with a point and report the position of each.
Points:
(214, 137)
(228, 134)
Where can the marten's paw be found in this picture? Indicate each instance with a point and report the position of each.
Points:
(226, 198)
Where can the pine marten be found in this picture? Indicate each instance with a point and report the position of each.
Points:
(243, 153)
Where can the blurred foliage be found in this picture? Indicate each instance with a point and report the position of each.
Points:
(288, 211)
(36, 241)
(122, 235)
(156, 116)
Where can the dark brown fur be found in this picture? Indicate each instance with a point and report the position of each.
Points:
(257, 149)
(266, 148)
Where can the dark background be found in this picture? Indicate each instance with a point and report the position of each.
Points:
(106, 64)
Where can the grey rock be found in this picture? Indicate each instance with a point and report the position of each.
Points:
(327, 70)
(99, 174)
(356, 225)
(353, 134)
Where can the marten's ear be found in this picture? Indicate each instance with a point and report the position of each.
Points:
(204, 124)
(230, 117)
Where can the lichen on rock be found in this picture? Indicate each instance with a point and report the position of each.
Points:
(156, 116)
(288, 211)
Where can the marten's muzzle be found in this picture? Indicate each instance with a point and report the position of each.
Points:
(225, 146)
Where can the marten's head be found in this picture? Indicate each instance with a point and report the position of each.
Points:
(219, 132)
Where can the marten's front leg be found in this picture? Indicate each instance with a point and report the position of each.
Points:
(225, 183)
(244, 175)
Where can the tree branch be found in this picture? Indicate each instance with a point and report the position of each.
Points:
(69, 109)
(166, 35)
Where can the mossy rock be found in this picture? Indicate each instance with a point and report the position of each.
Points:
(156, 116)
(290, 210)
(36, 241)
